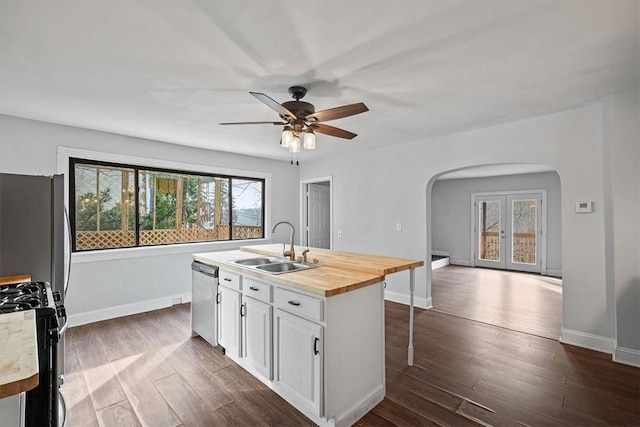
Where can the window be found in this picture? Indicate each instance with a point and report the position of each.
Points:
(121, 206)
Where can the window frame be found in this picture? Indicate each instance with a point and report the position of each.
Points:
(73, 160)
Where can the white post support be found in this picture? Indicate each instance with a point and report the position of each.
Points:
(412, 286)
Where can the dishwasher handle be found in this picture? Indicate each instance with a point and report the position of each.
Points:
(207, 270)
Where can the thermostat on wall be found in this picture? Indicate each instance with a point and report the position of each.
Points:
(584, 207)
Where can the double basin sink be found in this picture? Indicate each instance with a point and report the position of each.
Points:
(273, 265)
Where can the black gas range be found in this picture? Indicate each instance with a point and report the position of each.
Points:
(44, 403)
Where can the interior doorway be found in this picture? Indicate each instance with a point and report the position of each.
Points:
(487, 217)
(316, 214)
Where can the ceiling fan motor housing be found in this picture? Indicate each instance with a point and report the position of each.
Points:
(300, 108)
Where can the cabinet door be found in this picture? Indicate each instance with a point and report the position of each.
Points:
(257, 335)
(229, 322)
(298, 360)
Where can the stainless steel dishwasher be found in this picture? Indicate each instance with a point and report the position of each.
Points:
(204, 292)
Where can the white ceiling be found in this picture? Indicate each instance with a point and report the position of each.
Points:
(172, 70)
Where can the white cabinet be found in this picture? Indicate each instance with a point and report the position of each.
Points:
(298, 361)
(324, 355)
(229, 305)
(12, 410)
(257, 335)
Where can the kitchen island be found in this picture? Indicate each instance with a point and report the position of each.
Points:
(314, 336)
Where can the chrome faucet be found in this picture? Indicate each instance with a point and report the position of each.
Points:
(291, 253)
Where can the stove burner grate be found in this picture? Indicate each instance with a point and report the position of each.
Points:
(22, 296)
(11, 307)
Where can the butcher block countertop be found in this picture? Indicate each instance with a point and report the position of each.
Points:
(339, 272)
(10, 280)
(18, 352)
(376, 264)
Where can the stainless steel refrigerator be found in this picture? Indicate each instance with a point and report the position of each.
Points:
(34, 232)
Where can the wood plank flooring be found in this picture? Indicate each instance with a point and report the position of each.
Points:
(147, 370)
(523, 302)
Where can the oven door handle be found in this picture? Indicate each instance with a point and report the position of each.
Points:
(64, 328)
(62, 313)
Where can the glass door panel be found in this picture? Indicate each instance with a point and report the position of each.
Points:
(490, 231)
(524, 218)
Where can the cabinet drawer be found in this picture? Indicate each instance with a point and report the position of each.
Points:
(296, 303)
(256, 289)
(230, 280)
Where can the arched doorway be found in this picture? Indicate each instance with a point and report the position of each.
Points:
(525, 302)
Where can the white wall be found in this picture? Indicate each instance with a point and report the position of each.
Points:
(373, 190)
(451, 213)
(118, 282)
(625, 181)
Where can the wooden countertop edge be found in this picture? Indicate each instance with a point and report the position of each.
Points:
(19, 386)
(10, 280)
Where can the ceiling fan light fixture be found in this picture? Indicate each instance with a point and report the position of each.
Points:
(295, 144)
(309, 140)
(287, 136)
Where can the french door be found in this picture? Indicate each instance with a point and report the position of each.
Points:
(507, 231)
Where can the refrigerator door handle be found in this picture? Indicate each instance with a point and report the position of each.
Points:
(68, 250)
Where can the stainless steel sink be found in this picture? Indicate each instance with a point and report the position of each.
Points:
(282, 267)
(272, 265)
(257, 261)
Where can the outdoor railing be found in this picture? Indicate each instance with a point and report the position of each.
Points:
(86, 240)
(524, 247)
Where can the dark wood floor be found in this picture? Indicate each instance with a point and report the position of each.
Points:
(146, 369)
(523, 302)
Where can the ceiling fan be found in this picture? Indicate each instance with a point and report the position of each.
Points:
(300, 117)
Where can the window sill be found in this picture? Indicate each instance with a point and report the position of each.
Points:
(183, 248)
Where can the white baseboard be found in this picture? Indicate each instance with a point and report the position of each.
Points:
(127, 309)
(585, 340)
(627, 356)
(443, 262)
(553, 273)
(419, 302)
(440, 253)
(463, 262)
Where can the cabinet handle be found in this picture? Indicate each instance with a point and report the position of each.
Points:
(242, 310)
(226, 279)
(296, 303)
(218, 297)
(315, 345)
(253, 288)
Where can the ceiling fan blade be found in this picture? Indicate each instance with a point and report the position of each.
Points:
(254, 123)
(337, 113)
(333, 131)
(271, 103)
